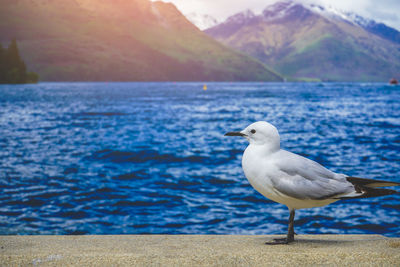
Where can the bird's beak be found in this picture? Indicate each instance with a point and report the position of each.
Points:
(235, 134)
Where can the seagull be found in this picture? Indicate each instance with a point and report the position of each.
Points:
(296, 181)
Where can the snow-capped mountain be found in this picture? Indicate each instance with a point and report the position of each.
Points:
(202, 21)
(241, 17)
(368, 24)
(313, 42)
(374, 27)
(327, 11)
(278, 11)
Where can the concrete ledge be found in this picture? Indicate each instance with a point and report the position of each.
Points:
(198, 250)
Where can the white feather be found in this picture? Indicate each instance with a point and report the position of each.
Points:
(288, 178)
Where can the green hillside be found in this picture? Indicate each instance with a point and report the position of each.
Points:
(120, 40)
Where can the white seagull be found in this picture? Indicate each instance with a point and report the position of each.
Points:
(296, 181)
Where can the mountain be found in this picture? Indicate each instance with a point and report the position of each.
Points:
(202, 21)
(376, 28)
(369, 25)
(119, 40)
(303, 43)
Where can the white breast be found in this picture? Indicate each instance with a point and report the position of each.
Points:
(258, 177)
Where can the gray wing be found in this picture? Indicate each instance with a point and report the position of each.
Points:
(302, 178)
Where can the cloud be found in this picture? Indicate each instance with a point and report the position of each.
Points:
(381, 11)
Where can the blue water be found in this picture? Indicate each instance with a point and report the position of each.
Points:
(136, 158)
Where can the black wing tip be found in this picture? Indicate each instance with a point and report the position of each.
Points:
(356, 181)
(370, 188)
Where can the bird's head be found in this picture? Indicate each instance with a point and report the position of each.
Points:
(260, 133)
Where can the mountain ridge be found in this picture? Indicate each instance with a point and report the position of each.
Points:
(368, 24)
(304, 45)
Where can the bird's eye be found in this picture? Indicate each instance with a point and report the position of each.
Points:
(253, 131)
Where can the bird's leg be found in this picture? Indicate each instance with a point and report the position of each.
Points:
(290, 234)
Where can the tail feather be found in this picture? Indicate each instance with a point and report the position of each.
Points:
(365, 188)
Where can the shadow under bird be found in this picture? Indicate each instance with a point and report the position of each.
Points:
(296, 181)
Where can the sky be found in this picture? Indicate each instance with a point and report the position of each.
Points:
(386, 11)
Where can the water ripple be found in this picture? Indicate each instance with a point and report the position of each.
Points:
(139, 158)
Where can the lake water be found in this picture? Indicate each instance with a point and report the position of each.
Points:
(136, 158)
